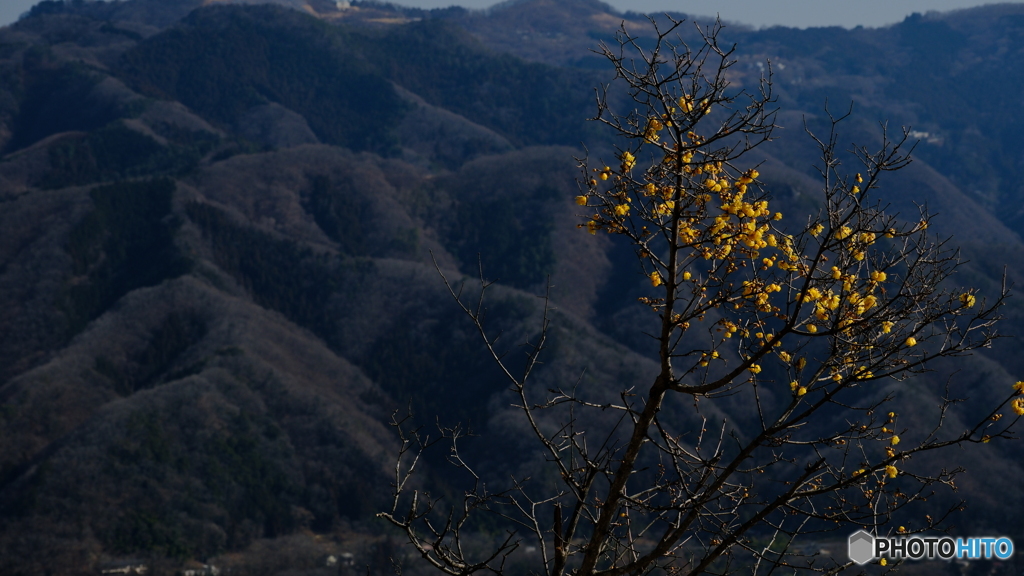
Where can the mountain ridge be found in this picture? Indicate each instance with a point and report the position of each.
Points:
(215, 293)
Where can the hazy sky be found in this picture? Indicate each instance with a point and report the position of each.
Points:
(800, 13)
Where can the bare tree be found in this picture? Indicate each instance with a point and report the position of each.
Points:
(807, 322)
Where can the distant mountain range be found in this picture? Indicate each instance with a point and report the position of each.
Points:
(219, 223)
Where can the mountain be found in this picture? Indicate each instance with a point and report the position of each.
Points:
(221, 226)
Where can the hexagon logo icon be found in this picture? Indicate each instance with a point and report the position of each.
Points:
(861, 547)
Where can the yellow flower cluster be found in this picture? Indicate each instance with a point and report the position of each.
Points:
(824, 304)
(705, 357)
(752, 235)
(760, 293)
(687, 105)
(651, 130)
(967, 299)
(664, 208)
(1018, 406)
(862, 304)
(628, 161)
(811, 295)
(716, 185)
(729, 328)
(862, 373)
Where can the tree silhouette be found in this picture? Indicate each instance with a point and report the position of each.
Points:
(805, 322)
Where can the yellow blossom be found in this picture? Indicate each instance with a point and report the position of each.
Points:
(801, 391)
(891, 471)
(592, 226)
(895, 440)
(816, 229)
(622, 209)
(878, 276)
(651, 132)
(581, 200)
(1019, 386)
(882, 562)
(855, 190)
(911, 341)
(754, 369)
(843, 233)
(812, 328)
(967, 300)
(1018, 406)
(858, 178)
(628, 161)
(832, 302)
(656, 278)
(687, 275)
(887, 327)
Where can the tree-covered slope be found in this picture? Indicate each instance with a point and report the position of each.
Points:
(219, 231)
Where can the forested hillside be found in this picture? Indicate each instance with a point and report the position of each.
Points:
(221, 228)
